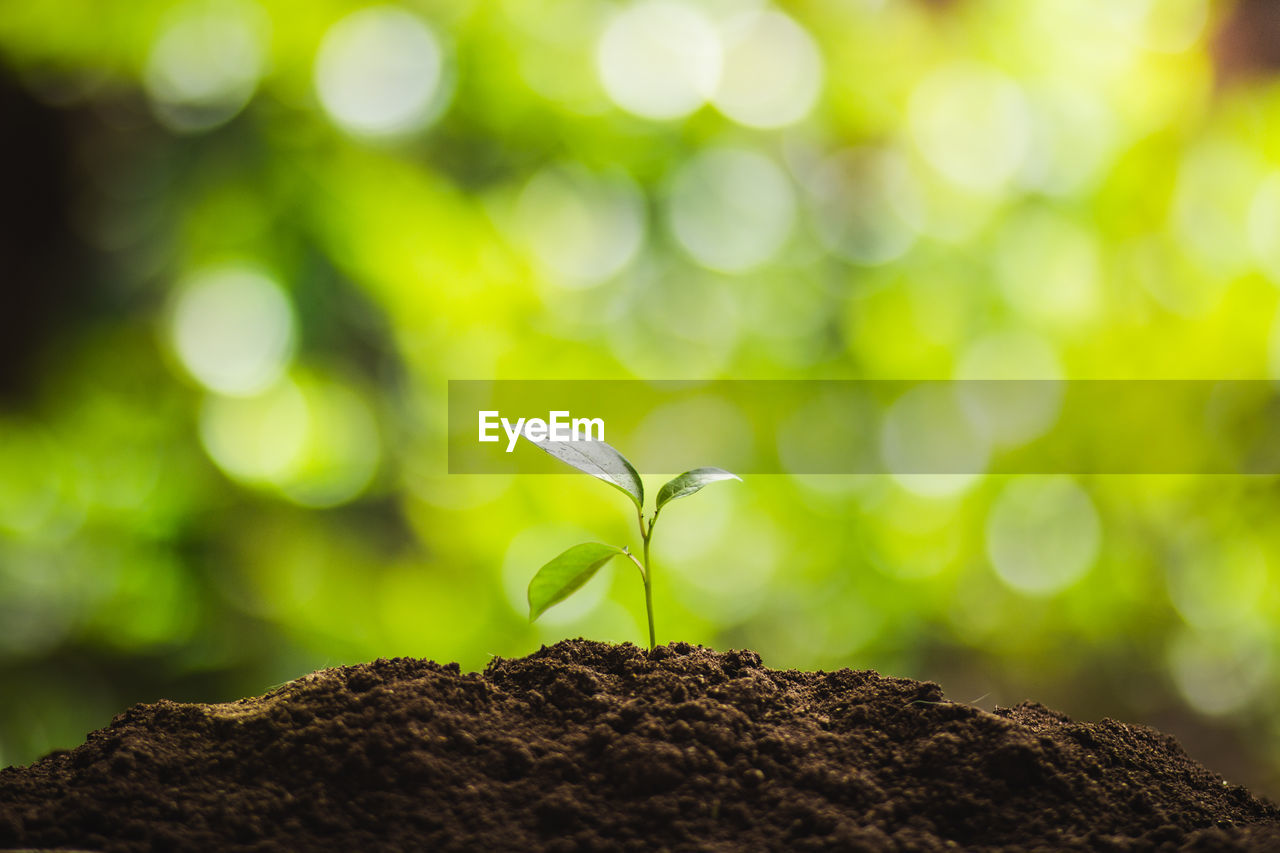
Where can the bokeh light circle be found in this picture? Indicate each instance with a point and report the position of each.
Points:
(1074, 135)
(1264, 225)
(343, 448)
(1273, 348)
(582, 229)
(772, 71)
(256, 439)
(1042, 534)
(381, 72)
(1214, 582)
(314, 440)
(205, 64)
(1164, 26)
(659, 59)
(731, 209)
(1011, 412)
(1220, 205)
(735, 584)
(972, 124)
(233, 329)
(929, 444)
(1219, 672)
(1050, 268)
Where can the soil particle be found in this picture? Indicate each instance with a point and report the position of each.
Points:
(586, 746)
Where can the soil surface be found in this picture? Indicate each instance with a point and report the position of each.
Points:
(587, 746)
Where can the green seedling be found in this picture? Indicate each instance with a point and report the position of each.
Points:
(561, 577)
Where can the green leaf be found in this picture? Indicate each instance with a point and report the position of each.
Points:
(561, 577)
(690, 482)
(600, 461)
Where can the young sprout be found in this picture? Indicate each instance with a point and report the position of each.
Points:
(561, 577)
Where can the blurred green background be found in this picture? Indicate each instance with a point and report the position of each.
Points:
(245, 244)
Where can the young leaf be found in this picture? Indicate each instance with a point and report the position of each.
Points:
(561, 577)
(690, 482)
(600, 461)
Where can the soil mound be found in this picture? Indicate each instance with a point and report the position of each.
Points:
(587, 746)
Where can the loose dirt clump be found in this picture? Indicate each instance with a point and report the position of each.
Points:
(587, 746)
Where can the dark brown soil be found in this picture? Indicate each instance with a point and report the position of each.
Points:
(587, 746)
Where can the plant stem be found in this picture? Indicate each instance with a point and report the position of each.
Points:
(648, 589)
(645, 534)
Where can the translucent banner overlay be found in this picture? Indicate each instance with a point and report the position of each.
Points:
(878, 427)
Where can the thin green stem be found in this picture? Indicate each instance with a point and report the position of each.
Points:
(646, 532)
(632, 558)
(648, 589)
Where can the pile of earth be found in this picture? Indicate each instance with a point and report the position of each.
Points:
(586, 746)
